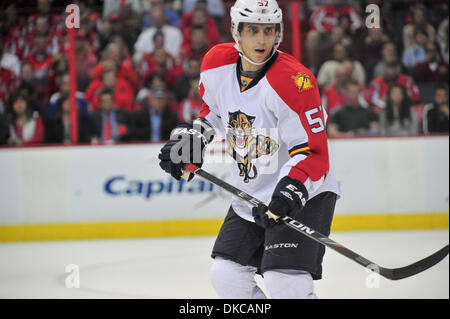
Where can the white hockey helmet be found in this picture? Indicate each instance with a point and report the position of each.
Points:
(256, 11)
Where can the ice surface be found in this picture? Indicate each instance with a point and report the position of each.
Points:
(179, 267)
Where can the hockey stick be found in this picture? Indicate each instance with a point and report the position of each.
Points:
(389, 273)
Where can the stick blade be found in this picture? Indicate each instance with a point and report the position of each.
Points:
(417, 267)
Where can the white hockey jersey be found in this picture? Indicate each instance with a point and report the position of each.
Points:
(273, 128)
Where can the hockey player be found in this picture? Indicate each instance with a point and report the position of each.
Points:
(267, 106)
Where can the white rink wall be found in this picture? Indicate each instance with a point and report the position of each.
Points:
(83, 184)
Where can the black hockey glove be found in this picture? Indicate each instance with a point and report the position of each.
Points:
(289, 194)
(186, 145)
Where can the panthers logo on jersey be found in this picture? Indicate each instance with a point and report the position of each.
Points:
(244, 145)
(303, 81)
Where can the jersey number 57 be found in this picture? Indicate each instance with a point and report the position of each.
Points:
(315, 123)
(263, 3)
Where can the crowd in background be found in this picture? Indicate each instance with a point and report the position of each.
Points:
(138, 65)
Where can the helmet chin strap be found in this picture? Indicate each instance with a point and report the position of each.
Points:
(252, 62)
(255, 63)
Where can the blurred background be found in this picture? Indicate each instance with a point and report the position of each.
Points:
(87, 97)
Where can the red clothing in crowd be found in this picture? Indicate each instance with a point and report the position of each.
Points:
(15, 41)
(148, 65)
(212, 32)
(123, 95)
(379, 87)
(55, 43)
(32, 132)
(41, 64)
(8, 85)
(85, 63)
(124, 90)
(125, 71)
(333, 99)
(187, 53)
(325, 17)
(431, 72)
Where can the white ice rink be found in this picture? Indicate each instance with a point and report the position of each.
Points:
(179, 267)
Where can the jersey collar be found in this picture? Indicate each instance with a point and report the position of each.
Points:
(260, 75)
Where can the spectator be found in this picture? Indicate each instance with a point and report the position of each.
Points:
(159, 61)
(398, 117)
(4, 129)
(184, 82)
(116, 58)
(121, 6)
(8, 84)
(214, 8)
(435, 116)
(45, 28)
(26, 90)
(26, 126)
(60, 65)
(58, 129)
(172, 37)
(325, 16)
(171, 15)
(433, 69)
(41, 62)
(442, 38)
(9, 75)
(389, 54)
(164, 64)
(322, 20)
(123, 93)
(90, 26)
(350, 34)
(379, 86)
(418, 22)
(64, 91)
(116, 25)
(199, 18)
(415, 53)
(153, 79)
(327, 71)
(190, 107)
(352, 119)
(326, 48)
(116, 73)
(110, 124)
(7, 60)
(157, 80)
(333, 96)
(155, 120)
(44, 9)
(85, 61)
(198, 44)
(27, 73)
(13, 28)
(371, 50)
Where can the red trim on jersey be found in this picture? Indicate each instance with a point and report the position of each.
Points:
(204, 111)
(201, 90)
(301, 96)
(219, 55)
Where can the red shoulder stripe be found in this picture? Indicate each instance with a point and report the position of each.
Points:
(219, 55)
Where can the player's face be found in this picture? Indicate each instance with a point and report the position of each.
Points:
(257, 40)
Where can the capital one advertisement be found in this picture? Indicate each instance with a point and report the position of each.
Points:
(125, 183)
